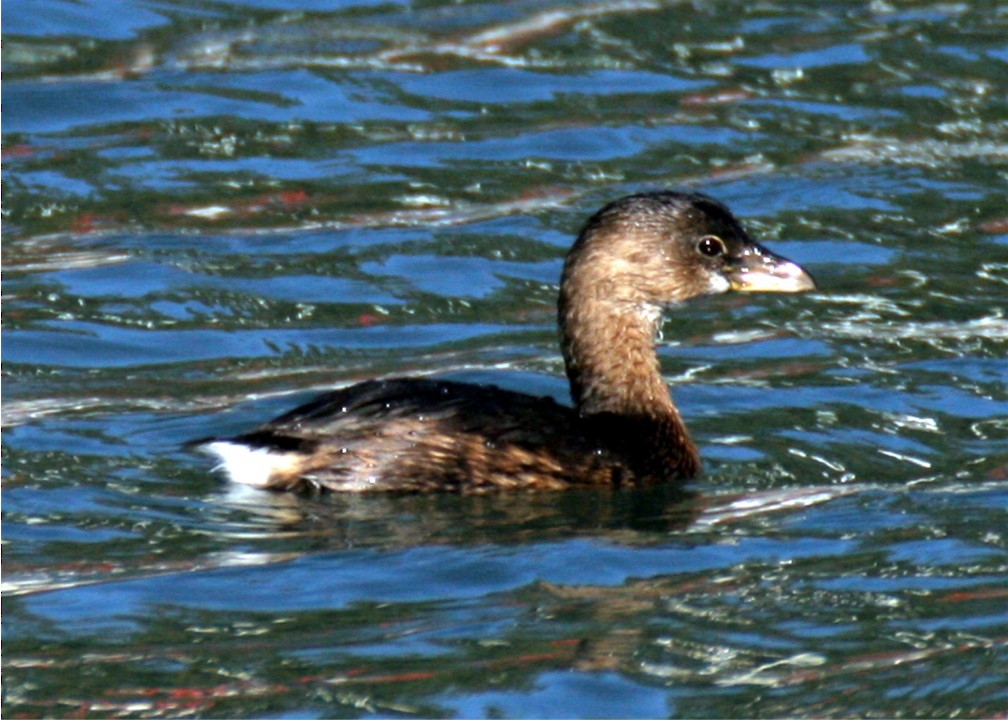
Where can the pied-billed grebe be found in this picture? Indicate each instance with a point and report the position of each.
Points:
(633, 258)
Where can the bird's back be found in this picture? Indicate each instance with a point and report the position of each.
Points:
(419, 435)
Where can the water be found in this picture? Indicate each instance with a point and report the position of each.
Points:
(214, 209)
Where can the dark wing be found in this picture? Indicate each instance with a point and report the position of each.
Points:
(421, 435)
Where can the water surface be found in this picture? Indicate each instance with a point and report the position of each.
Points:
(214, 209)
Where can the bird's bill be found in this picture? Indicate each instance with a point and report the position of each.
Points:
(759, 270)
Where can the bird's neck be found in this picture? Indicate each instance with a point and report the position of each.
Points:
(610, 357)
(616, 379)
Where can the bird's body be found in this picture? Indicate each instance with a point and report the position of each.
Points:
(420, 435)
(634, 258)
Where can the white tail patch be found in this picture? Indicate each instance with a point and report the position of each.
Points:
(255, 466)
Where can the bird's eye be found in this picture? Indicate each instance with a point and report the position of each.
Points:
(711, 246)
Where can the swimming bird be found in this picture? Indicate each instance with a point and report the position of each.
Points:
(635, 258)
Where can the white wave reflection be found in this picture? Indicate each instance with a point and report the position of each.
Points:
(989, 327)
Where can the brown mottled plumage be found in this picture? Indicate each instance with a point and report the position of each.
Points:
(634, 257)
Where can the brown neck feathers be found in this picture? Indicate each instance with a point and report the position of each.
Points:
(616, 383)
